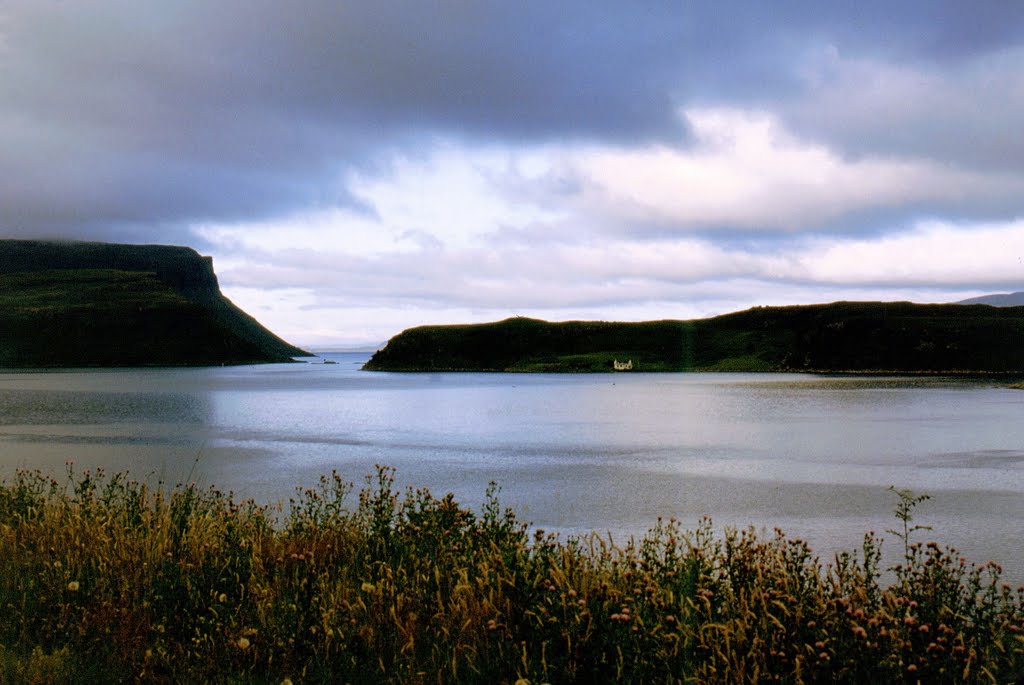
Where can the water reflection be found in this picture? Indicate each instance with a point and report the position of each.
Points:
(43, 406)
(119, 421)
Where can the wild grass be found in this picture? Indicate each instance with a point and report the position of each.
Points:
(107, 580)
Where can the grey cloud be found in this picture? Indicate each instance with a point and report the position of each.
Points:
(126, 118)
(122, 114)
(968, 115)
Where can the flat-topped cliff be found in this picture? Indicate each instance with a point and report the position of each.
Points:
(65, 304)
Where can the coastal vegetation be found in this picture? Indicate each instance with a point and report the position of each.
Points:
(107, 580)
(863, 337)
(101, 304)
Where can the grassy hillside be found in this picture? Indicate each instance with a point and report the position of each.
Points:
(530, 345)
(843, 336)
(93, 304)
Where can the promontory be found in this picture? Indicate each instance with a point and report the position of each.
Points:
(859, 337)
(81, 304)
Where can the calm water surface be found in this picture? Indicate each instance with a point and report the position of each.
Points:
(812, 455)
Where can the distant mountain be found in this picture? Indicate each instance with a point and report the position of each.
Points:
(998, 300)
(896, 337)
(100, 304)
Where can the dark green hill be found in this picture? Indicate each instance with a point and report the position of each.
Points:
(895, 337)
(99, 304)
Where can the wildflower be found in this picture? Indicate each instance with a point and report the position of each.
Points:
(73, 586)
(243, 643)
(222, 597)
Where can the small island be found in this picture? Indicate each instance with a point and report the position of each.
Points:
(842, 337)
(79, 304)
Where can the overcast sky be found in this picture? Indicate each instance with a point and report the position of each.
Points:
(356, 168)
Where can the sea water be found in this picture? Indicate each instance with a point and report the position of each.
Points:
(812, 455)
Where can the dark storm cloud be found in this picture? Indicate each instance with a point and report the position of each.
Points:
(123, 114)
(125, 119)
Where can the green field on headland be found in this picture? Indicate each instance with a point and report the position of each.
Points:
(106, 580)
(862, 337)
(103, 304)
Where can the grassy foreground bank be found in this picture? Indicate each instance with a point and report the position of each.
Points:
(106, 580)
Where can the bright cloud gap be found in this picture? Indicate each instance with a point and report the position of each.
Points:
(551, 231)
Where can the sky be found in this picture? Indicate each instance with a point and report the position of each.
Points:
(357, 168)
